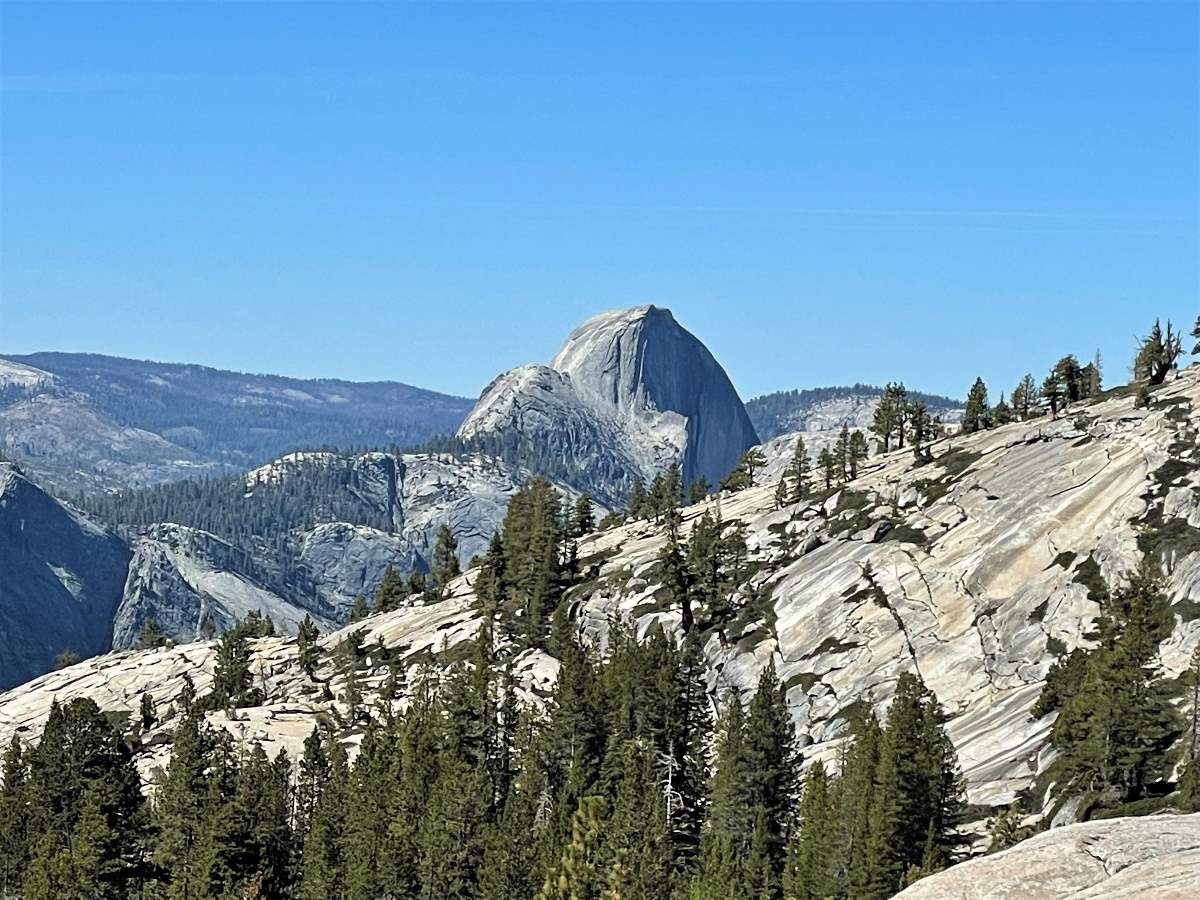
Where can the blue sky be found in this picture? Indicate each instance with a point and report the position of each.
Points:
(433, 193)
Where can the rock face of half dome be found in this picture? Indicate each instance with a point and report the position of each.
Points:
(630, 392)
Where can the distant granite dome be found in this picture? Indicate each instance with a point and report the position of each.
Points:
(630, 392)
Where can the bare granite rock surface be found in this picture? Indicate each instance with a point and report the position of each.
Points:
(983, 575)
(1145, 858)
(629, 393)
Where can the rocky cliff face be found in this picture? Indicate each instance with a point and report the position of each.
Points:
(372, 510)
(412, 495)
(60, 579)
(185, 579)
(629, 392)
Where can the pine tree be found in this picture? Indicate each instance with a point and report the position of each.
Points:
(180, 814)
(636, 505)
(575, 876)
(841, 454)
(856, 451)
(86, 826)
(358, 611)
(636, 846)
(445, 566)
(801, 466)
(533, 542)
(772, 778)
(1196, 335)
(975, 416)
(1054, 392)
(828, 464)
(1001, 413)
(324, 868)
(448, 839)
(742, 476)
(1093, 376)
(917, 802)
(307, 648)
(811, 870)
(14, 817)
(1116, 729)
(730, 818)
(854, 796)
(920, 427)
(899, 394)
(672, 488)
(391, 592)
(490, 586)
(687, 742)
(725, 839)
(1006, 829)
(146, 712)
(677, 579)
(417, 582)
(1071, 377)
(256, 840)
(1157, 354)
(585, 517)
(886, 419)
(1025, 398)
(698, 490)
(782, 494)
(232, 680)
(313, 773)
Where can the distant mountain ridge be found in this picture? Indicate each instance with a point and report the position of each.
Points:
(825, 408)
(85, 422)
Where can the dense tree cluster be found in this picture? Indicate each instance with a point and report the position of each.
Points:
(701, 575)
(620, 785)
(905, 416)
(890, 816)
(1117, 725)
(1067, 382)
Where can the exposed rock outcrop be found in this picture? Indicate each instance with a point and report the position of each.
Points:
(60, 579)
(185, 580)
(983, 574)
(629, 393)
(1150, 858)
(412, 495)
